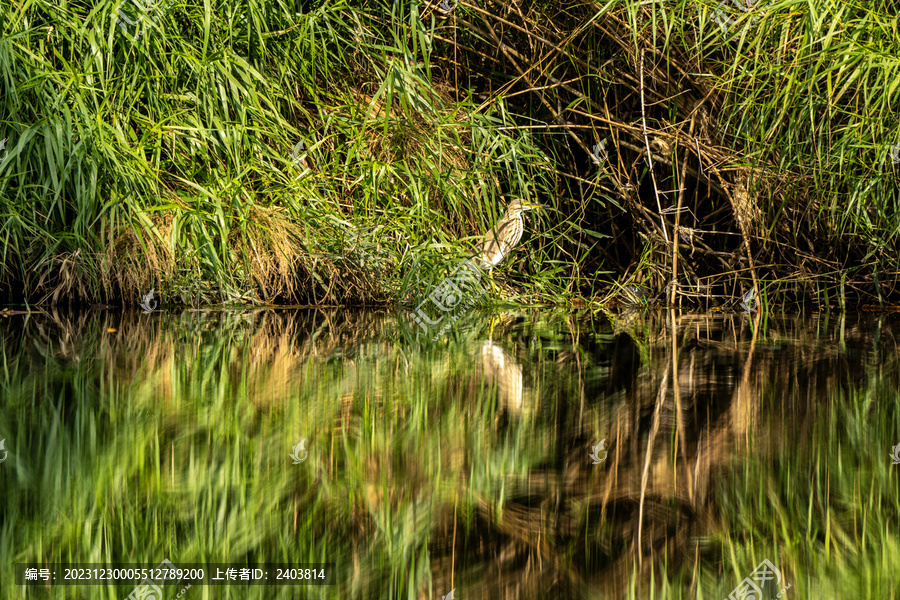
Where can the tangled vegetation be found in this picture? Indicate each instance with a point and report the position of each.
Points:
(352, 152)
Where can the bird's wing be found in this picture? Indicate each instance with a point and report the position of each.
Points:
(493, 249)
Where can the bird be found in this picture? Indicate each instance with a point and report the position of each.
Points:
(503, 237)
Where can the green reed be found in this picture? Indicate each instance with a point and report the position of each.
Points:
(169, 154)
(173, 160)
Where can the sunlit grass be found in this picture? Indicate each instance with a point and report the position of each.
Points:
(168, 160)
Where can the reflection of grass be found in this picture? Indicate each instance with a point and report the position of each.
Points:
(171, 438)
(824, 512)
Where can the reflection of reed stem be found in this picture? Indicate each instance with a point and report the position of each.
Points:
(654, 428)
(453, 554)
(679, 418)
(745, 406)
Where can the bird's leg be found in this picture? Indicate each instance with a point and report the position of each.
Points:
(494, 319)
(494, 287)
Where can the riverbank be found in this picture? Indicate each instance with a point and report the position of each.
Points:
(345, 155)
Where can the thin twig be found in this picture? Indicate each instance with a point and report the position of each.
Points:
(649, 154)
(675, 233)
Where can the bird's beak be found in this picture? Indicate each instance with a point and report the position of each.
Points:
(535, 205)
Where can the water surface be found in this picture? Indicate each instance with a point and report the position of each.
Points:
(528, 454)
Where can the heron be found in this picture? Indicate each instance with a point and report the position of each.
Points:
(505, 235)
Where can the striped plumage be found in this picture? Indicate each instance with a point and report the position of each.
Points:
(499, 241)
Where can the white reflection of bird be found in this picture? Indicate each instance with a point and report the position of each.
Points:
(450, 595)
(502, 368)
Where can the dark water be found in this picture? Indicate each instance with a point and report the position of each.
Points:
(533, 454)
